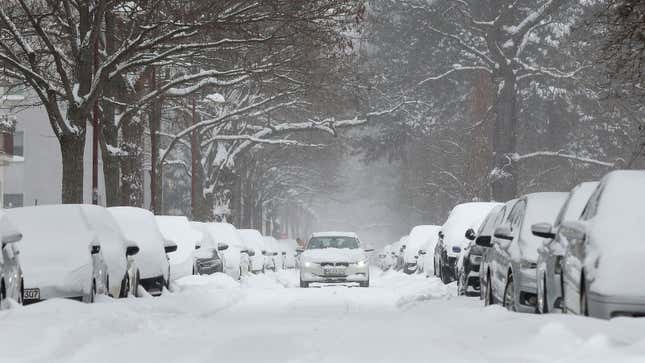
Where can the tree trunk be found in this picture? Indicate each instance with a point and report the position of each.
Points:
(72, 148)
(132, 163)
(504, 180)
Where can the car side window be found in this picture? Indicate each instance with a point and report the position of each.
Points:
(592, 205)
(515, 218)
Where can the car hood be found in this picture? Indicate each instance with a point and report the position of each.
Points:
(334, 255)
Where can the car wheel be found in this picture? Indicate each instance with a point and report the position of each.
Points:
(545, 303)
(3, 293)
(137, 281)
(125, 286)
(93, 292)
(584, 302)
(107, 286)
(509, 294)
(488, 294)
(22, 291)
(304, 284)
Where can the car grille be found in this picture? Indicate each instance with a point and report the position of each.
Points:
(336, 264)
(153, 285)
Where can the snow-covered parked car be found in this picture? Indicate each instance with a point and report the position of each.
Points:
(11, 279)
(118, 252)
(179, 230)
(236, 260)
(60, 255)
(428, 251)
(334, 257)
(399, 250)
(468, 264)
(254, 244)
(209, 257)
(413, 260)
(549, 276)
(139, 225)
(385, 259)
(289, 247)
(272, 257)
(602, 266)
(513, 258)
(452, 237)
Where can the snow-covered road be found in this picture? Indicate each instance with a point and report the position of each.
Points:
(267, 318)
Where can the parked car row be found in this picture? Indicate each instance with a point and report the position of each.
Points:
(81, 251)
(411, 253)
(577, 252)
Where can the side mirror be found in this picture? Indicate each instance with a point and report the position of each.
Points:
(369, 249)
(170, 248)
(264, 253)
(251, 253)
(284, 253)
(470, 234)
(198, 246)
(11, 238)
(222, 246)
(95, 249)
(503, 233)
(484, 241)
(275, 253)
(131, 250)
(543, 230)
(422, 252)
(440, 234)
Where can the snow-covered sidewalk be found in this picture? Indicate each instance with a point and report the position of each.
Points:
(267, 318)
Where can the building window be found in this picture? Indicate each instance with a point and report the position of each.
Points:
(18, 143)
(13, 200)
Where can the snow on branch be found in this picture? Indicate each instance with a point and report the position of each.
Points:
(515, 157)
(457, 68)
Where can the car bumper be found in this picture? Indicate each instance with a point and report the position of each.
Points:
(352, 273)
(208, 266)
(154, 285)
(410, 267)
(608, 307)
(527, 295)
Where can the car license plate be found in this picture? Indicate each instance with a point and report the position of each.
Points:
(334, 271)
(32, 294)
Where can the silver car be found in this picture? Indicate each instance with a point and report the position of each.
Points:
(334, 257)
(549, 276)
(11, 280)
(602, 265)
(513, 259)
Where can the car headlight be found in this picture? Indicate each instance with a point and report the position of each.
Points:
(528, 264)
(361, 263)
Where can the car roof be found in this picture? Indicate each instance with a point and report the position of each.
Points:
(334, 234)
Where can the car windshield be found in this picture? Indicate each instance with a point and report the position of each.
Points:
(332, 242)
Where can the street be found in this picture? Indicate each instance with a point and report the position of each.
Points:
(268, 318)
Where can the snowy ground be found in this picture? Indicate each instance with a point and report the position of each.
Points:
(266, 318)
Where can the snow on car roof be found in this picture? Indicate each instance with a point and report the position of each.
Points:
(52, 235)
(9, 231)
(419, 237)
(577, 200)
(540, 208)
(252, 238)
(224, 233)
(179, 230)
(334, 234)
(462, 217)
(138, 225)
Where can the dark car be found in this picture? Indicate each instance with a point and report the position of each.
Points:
(468, 267)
